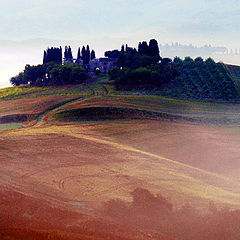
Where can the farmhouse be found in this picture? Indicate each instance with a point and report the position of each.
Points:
(103, 64)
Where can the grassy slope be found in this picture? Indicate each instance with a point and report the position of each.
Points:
(13, 93)
(23, 104)
(140, 107)
(151, 107)
(118, 140)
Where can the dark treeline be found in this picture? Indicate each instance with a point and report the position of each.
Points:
(51, 74)
(133, 58)
(145, 69)
(52, 55)
(141, 68)
(68, 53)
(55, 55)
(148, 77)
(85, 55)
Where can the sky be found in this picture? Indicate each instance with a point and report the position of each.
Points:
(33, 25)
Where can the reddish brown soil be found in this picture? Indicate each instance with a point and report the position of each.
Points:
(28, 106)
(55, 178)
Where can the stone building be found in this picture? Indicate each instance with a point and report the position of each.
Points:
(103, 64)
(71, 60)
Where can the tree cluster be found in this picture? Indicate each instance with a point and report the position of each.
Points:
(55, 55)
(68, 53)
(181, 78)
(151, 77)
(151, 50)
(51, 74)
(133, 58)
(52, 55)
(85, 55)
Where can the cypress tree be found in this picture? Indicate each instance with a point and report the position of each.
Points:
(93, 56)
(84, 54)
(88, 54)
(70, 52)
(144, 48)
(79, 53)
(66, 52)
(60, 55)
(140, 51)
(52, 55)
(44, 57)
(153, 49)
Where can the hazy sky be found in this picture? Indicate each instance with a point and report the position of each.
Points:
(215, 22)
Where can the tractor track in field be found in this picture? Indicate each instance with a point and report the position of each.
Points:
(43, 117)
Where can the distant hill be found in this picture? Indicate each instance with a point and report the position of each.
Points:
(182, 50)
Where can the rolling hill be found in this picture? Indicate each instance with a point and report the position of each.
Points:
(86, 148)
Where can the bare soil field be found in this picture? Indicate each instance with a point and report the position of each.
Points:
(30, 106)
(76, 168)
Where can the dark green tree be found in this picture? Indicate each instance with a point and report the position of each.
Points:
(88, 55)
(84, 54)
(113, 54)
(68, 53)
(52, 55)
(93, 56)
(153, 49)
(78, 54)
(144, 48)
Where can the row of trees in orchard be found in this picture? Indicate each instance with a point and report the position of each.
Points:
(202, 79)
(55, 55)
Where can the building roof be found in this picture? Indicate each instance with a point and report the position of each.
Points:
(105, 59)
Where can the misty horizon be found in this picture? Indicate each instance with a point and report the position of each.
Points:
(31, 26)
(18, 53)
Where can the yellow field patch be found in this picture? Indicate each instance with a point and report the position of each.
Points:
(120, 168)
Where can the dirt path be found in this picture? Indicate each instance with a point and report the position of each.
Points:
(95, 92)
(43, 117)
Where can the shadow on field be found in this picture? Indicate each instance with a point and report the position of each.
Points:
(146, 217)
(114, 113)
(121, 113)
(156, 214)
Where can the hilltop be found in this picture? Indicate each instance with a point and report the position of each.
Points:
(154, 144)
(132, 69)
